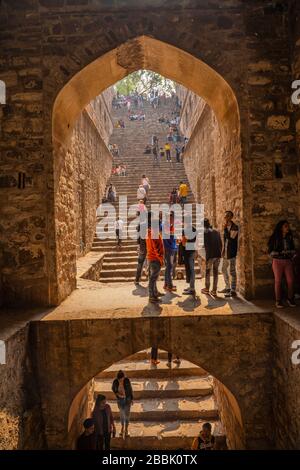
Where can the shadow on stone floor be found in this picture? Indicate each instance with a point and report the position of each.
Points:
(151, 310)
(189, 304)
(140, 291)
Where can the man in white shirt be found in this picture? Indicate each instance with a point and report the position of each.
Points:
(141, 193)
(119, 230)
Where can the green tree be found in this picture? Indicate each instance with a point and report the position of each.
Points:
(143, 81)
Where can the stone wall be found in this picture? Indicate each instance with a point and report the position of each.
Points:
(286, 383)
(90, 163)
(46, 45)
(70, 352)
(230, 416)
(21, 425)
(82, 170)
(80, 409)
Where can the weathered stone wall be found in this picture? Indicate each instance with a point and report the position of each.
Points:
(82, 171)
(230, 415)
(234, 348)
(286, 383)
(21, 424)
(80, 409)
(45, 44)
(90, 164)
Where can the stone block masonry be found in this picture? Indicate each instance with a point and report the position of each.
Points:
(46, 45)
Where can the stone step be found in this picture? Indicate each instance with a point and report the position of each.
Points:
(179, 387)
(170, 409)
(145, 369)
(121, 271)
(165, 435)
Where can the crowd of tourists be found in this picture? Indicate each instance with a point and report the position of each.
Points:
(100, 427)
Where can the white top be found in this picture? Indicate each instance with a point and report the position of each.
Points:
(119, 225)
(141, 193)
(145, 181)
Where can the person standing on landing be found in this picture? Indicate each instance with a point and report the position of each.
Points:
(230, 249)
(155, 256)
(282, 250)
(213, 252)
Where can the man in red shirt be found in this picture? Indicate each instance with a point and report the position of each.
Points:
(155, 256)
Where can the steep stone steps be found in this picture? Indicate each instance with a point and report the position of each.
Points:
(164, 435)
(170, 409)
(119, 264)
(170, 404)
(179, 387)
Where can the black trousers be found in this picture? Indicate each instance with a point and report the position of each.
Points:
(103, 442)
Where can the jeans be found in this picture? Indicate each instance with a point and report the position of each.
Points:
(183, 200)
(214, 264)
(118, 235)
(139, 269)
(283, 267)
(154, 270)
(154, 352)
(189, 262)
(168, 155)
(169, 260)
(103, 442)
(170, 355)
(175, 265)
(124, 406)
(229, 263)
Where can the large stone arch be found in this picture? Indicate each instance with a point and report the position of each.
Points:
(143, 52)
(235, 349)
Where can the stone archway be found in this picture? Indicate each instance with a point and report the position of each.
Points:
(235, 349)
(140, 53)
(162, 384)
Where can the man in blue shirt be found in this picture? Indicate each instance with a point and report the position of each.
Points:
(170, 248)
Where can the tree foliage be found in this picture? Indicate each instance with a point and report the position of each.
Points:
(143, 81)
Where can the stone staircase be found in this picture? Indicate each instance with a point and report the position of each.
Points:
(120, 264)
(170, 405)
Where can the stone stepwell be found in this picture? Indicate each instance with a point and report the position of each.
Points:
(120, 264)
(170, 404)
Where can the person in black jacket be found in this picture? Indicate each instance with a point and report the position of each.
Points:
(213, 253)
(88, 439)
(230, 249)
(123, 391)
(282, 250)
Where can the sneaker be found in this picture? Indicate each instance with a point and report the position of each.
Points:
(228, 294)
(189, 292)
(168, 289)
(213, 293)
(186, 289)
(205, 291)
(291, 303)
(155, 362)
(279, 305)
(224, 291)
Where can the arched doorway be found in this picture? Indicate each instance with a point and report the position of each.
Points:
(142, 52)
(170, 404)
